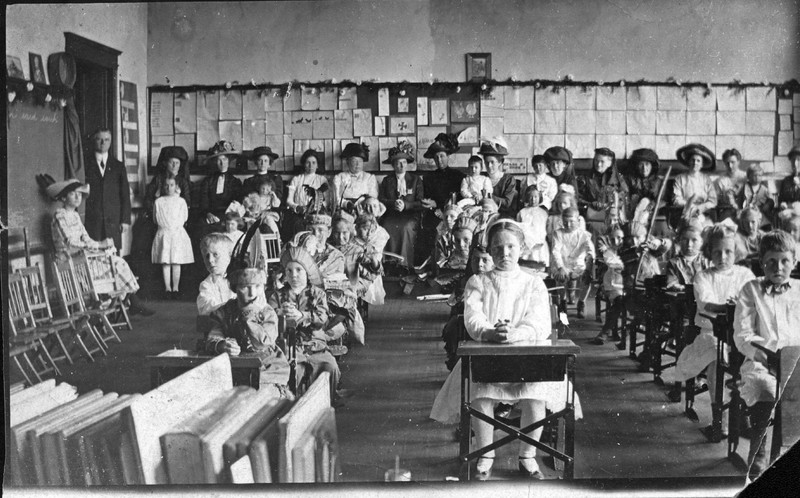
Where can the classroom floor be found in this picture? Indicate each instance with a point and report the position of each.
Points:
(629, 429)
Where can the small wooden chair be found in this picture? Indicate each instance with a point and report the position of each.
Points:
(25, 336)
(39, 304)
(103, 278)
(99, 312)
(74, 309)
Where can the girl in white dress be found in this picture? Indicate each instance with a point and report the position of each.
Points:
(171, 245)
(505, 305)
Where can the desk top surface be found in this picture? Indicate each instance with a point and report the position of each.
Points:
(547, 347)
(173, 357)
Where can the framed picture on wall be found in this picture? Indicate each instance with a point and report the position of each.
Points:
(14, 67)
(402, 125)
(464, 111)
(37, 68)
(479, 66)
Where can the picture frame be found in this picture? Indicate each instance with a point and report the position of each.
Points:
(400, 126)
(14, 67)
(464, 111)
(38, 74)
(479, 66)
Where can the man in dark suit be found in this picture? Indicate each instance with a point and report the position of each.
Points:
(108, 207)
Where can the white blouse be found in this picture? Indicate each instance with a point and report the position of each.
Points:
(296, 194)
(349, 186)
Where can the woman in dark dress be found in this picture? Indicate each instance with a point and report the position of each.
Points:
(402, 194)
(219, 189)
(559, 162)
(643, 183)
(603, 194)
(504, 186)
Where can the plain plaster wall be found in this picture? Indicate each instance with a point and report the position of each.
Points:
(416, 40)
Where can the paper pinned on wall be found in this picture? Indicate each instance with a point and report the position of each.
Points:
(253, 105)
(613, 142)
(207, 134)
(581, 146)
(784, 106)
(517, 97)
(159, 142)
(207, 106)
(641, 98)
(551, 98)
(701, 122)
(275, 142)
(402, 105)
(671, 122)
(548, 121)
(726, 142)
(610, 122)
(383, 101)
(581, 122)
(348, 98)
(543, 142)
(230, 105)
(492, 127)
(185, 115)
(302, 127)
(492, 103)
(275, 124)
(380, 126)
(161, 114)
(761, 99)
(274, 100)
(670, 99)
(187, 141)
(422, 111)
(425, 137)
(323, 125)
(292, 100)
(287, 123)
(456, 161)
(467, 135)
(785, 122)
(640, 122)
(666, 145)
(633, 142)
(439, 112)
(611, 98)
(309, 99)
(781, 166)
(519, 145)
(518, 121)
(373, 164)
(731, 123)
(730, 99)
(253, 133)
(232, 132)
(759, 148)
(300, 146)
(760, 122)
(386, 143)
(288, 154)
(516, 165)
(697, 100)
(328, 98)
(362, 122)
(581, 98)
(328, 155)
(785, 142)
(343, 123)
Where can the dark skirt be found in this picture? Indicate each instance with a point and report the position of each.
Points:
(402, 228)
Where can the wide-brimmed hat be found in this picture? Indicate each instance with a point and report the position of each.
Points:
(404, 150)
(302, 257)
(687, 151)
(58, 190)
(264, 151)
(495, 146)
(442, 143)
(355, 150)
(173, 152)
(648, 155)
(222, 148)
(558, 153)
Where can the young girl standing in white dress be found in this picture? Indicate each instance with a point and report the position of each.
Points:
(171, 246)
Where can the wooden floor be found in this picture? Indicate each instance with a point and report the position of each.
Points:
(629, 429)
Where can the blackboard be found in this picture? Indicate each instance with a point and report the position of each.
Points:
(35, 145)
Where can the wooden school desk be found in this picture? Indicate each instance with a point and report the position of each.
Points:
(531, 361)
(172, 363)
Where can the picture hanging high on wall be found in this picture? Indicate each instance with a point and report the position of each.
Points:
(14, 67)
(37, 68)
(479, 66)
(402, 125)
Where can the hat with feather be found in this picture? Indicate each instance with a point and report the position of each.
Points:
(466, 223)
(495, 146)
(404, 150)
(240, 270)
(302, 257)
(442, 143)
(57, 190)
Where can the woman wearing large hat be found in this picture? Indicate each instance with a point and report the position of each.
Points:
(642, 178)
(603, 190)
(402, 194)
(561, 167)
(219, 189)
(504, 186)
(695, 187)
(353, 182)
(263, 157)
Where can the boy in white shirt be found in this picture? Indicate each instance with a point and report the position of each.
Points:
(572, 259)
(215, 290)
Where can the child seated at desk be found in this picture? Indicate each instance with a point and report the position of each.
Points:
(215, 290)
(452, 261)
(607, 246)
(767, 314)
(304, 302)
(533, 218)
(505, 305)
(682, 268)
(714, 288)
(748, 236)
(564, 199)
(362, 263)
(755, 193)
(572, 260)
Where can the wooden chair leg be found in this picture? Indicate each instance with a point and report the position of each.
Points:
(63, 347)
(22, 370)
(97, 336)
(112, 333)
(124, 310)
(30, 364)
(50, 359)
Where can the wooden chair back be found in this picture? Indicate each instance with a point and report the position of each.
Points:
(271, 243)
(83, 277)
(19, 312)
(101, 272)
(36, 290)
(68, 288)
